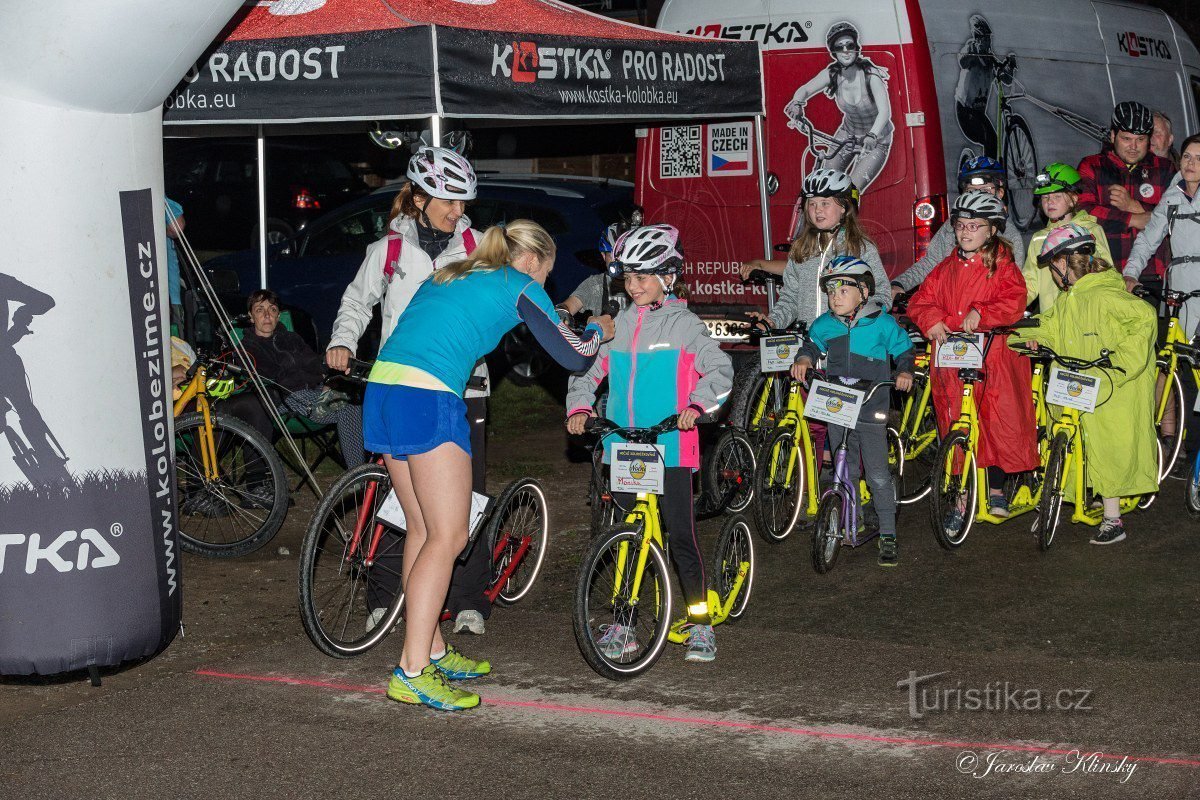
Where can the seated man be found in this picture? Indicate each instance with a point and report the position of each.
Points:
(282, 358)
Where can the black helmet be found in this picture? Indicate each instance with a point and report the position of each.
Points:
(1133, 117)
(839, 30)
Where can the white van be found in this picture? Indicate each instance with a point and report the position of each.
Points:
(1028, 82)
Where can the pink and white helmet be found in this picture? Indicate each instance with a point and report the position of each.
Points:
(1065, 240)
(442, 173)
(650, 249)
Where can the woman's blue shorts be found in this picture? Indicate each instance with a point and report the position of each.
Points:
(402, 421)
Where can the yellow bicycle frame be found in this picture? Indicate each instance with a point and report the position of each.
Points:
(1076, 468)
(793, 415)
(1168, 354)
(915, 440)
(197, 390)
(645, 515)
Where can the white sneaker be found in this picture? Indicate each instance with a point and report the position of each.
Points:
(471, 621)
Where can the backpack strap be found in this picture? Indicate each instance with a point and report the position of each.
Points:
(392, 260)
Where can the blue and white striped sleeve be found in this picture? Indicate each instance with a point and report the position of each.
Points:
(574, 353)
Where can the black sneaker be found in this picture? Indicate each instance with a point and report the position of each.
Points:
(258, 495)
(889, 551)
(204, 504)
(1110, 533)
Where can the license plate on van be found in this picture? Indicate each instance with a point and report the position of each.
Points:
(725, 330)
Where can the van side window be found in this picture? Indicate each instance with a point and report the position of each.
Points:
(1194, 81)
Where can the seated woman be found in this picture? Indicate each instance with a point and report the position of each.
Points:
(284, 359)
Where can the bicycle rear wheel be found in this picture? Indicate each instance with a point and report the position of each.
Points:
(735, 551)
(243, 506)
(913, 483)
(952, 510)
(1173, 421)
(777, 498)
(758, 398)
(341, 589)
(604, 601)
(517, 534)
(729, 477)
(1050, 504)
(827, 537)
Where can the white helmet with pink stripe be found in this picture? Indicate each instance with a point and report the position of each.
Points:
(650, 249)
(442, 173)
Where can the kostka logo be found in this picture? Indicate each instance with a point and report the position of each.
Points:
(1131, 44)
(57, 554)
(526, 62)
(786, 32)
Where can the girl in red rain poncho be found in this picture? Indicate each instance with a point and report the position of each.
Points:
(976, 288)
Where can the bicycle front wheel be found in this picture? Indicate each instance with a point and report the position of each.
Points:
(735, 552)
(621, 634)
(1020, 158)
(1050, 504)
(779, 486)
(233, 500)
(1170, 427)
(758, 398)
(952, 510)
(350, 599)
(729, 478)
(827, 538)
(517, 534)
(920, 446)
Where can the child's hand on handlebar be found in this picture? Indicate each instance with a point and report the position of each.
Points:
(760, 319)
(1032, 344)
(938, 333)
(971, 321)
(687, 419)
(576, 423)
(904, 381)
(800, 368)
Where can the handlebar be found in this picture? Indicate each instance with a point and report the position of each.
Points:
(605, 427)
(859, 384)
(761, 276)
(1044, 351)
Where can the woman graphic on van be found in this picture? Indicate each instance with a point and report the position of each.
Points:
(862, 142)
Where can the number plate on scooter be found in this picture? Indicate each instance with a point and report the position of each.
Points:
(392, 514)
(961, 351)
(778, 353)
(833, 404)
(637, 468)
(1072, 389)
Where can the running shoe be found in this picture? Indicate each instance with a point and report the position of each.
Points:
(998, 505)
(701, 643)
(1110, 532)
(430, 689)
(617, 640)
(889, 551)
(457, 667)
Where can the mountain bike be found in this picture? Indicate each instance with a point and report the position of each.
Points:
(624, 578)
(230, 481)
(350, 559)
(1170, 411)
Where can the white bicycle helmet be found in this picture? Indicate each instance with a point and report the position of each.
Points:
(829, 183)
(848, 269)
(980, 205)
(649, 250)
(442, 173)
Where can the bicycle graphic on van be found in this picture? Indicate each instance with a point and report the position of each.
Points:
(35, 450)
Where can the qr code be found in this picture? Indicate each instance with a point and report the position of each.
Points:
(679, 152)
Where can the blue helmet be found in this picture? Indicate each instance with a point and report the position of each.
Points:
(609, 236)
(848, 269)
(980, 170)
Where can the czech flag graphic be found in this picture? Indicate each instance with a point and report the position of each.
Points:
(735, 163)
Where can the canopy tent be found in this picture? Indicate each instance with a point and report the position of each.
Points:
(307, 61)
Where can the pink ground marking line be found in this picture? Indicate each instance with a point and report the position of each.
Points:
(815, 733)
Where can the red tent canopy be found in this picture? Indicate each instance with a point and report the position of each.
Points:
(328, 60)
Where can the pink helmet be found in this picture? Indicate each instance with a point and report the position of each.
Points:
(650, 249)
(442, 173)
(1064, 240)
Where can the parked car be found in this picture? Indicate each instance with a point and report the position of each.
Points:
(312, 269)
(216, 182)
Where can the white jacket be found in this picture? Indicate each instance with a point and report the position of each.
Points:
(370, 286)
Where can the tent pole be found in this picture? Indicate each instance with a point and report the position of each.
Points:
(764, 203)
(435, 130)
(262, 209)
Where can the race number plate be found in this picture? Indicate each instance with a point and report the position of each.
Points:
(725, 330)
(777, 353)
(391, 513)
(961, 351)
(637, 468)
(833, 404)
(1072, 389)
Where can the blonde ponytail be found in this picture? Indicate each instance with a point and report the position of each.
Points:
(499, 247)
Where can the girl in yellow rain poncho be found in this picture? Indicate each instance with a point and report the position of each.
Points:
(1094, 313)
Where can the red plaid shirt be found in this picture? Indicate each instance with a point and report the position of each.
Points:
(1145, 183)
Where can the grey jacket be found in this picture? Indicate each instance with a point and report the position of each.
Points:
(801, 297)
(942, 244)
(1178, 217)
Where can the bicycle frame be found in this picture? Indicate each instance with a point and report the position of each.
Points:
(197, 390)
(915, 441)
(1169, 353)
(793, 415)
(1075, 470)
(847, 492)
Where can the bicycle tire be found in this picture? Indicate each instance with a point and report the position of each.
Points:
(243, 455)
(915, 481)
(942, 500)
(325, 571)
(1020, 159)
(1169, 447)
(1049, 509)
(827, 536)
(735, 545)
(729, 477)
(1192, 495)
(749, 383)
(520, 514)
(603, 509)
(656, 582)
(777, 504)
